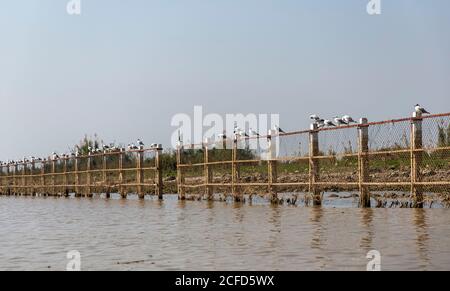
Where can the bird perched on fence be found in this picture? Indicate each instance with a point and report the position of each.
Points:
(420, 109)
(242, 133)
(140, 144)
(339, 121)
(329, 123)
(222, 136)
(132, 146)
(154, 145)
(55, 156)
(314, 117)
(254, 133)
(348, 119)
(278, 129)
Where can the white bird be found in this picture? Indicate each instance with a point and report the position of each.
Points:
(132, 146)
(242, 133)
(278, 129)
(420, 109)
(314, 117)
(329, 123)
(339, 121)
(320, 123)
(254, 133)
(348, 119)
(222, 136)
(237, 129)
(154, 145)
(140, 144)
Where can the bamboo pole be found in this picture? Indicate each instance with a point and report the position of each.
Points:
(208, 171)
(8, 172)
(16, 169)
(105, 176)
(53, 192)
(180, 173)
(140, 174)
(88, 192)
(43, 190)
(23, 190)
(416, 159)
(77, 177)
(65, 179)
(235, 169)
(314, 170)
(158, 173)
(272, 167)
(363, 162)
(122, 192)
(32, 179)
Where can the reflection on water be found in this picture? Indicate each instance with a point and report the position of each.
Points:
(115, 234)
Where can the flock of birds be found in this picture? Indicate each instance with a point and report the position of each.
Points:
(238, 132)
(320, 122)
(111, 148)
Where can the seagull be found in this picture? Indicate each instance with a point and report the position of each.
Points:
(140, 143)
(242, 133)
(132, 146)
(154, 145)
(348, 119)
(339, 121)
(237, 129)
(278, 129)
(320, 123)
(55, 156)
(254, 133)
(420, 109)
(329, 123)
(314, 117)
(222, 136)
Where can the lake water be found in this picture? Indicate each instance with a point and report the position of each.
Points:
(115, 234)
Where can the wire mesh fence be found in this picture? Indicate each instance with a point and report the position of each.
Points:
(124, 172)
(409, 154)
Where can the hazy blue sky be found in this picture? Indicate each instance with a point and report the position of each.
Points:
(123, 68)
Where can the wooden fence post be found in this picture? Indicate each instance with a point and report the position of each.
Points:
(314, 170)
(43, 186)
(77, 177)
(158, 173)
(33, 173)
(88, 177)
(416, 159)
(23, 178)
(363, 162)
(236, 175)
(65, 188)
(8, 181)
(105, 176)
(123, 195)
(180, 173)
(272, 166)
(140, 174)
(53, 191)
(16, 170)
(208, 171)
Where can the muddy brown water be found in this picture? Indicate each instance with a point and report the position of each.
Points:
(114, 234)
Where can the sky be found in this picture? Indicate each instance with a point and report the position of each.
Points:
(123, 69)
